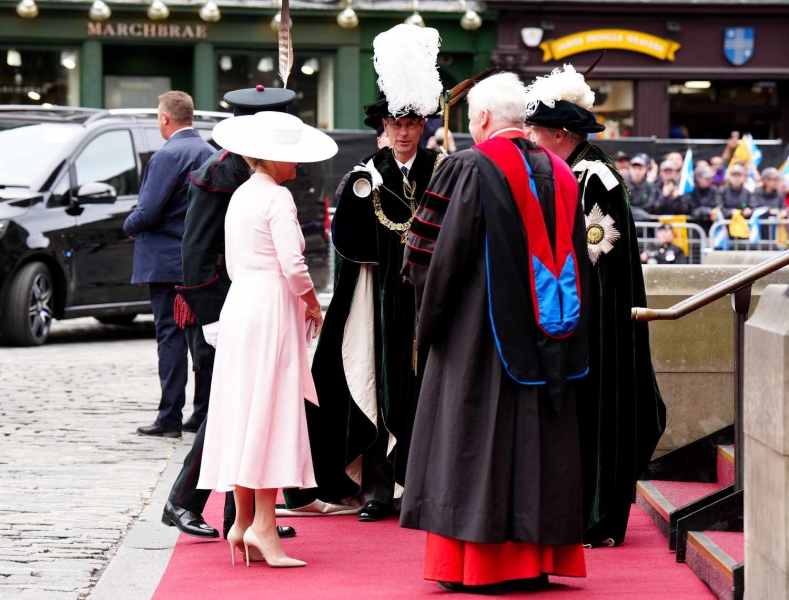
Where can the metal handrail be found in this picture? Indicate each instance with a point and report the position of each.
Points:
(739, 287)
(716, 292)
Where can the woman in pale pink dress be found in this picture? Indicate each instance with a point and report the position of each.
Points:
(256, 439)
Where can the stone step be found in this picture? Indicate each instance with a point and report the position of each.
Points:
(667, 501)
(725, 464)
(717, 557)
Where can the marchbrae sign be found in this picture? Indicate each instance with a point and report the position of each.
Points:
(609, 39)
(167, 31)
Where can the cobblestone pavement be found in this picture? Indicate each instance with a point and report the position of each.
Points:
(73, 474)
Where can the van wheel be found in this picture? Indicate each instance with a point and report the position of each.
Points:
(29, 306)
(124, 320)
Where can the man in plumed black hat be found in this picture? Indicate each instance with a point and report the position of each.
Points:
(364, 367)
(622, 415)
(206, 284)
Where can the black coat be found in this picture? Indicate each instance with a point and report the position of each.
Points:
(666, 254)
(203, 246)
(640, 193)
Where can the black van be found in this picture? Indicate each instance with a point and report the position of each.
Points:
(69, 177)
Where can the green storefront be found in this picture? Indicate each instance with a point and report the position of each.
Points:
(62, 57)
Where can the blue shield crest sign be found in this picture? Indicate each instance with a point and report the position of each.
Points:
(738, 45)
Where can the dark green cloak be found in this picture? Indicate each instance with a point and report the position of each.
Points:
(339, 430)
(621, 414)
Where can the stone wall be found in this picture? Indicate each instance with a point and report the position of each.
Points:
(694, 356)
(766, 420)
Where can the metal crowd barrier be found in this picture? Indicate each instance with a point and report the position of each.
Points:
(697, 238)
(767, 241)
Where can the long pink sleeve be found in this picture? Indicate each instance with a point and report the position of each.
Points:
(289, 243)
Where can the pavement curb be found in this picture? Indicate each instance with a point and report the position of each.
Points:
(139, 563)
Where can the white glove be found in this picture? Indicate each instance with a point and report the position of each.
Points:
(211, 333)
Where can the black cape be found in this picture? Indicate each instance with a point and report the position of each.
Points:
(491, 460)
(206, 282)
(621, 415)
(340, 432)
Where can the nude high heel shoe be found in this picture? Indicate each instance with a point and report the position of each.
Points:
(251, 539)
(235, 537)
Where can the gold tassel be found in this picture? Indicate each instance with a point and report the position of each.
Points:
(414, 362)
(447, 98)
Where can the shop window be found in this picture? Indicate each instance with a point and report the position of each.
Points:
(614, 107)
(312, 79)
(109, 158)
(712, 109)
(39, 77)
(124, 91)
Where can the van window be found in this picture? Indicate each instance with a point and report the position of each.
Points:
(109, 158)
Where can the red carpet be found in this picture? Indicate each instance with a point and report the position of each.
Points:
(369, 561)
(682, 493)
(731, 542)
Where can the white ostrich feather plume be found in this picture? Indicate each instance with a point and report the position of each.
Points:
(567, 85)
(405, 60)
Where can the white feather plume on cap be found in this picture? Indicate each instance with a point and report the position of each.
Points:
(405, 60)
(567, 85)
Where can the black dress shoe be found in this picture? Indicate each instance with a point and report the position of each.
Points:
(373, 511)
(494, 589)
(285, 531)
(187, 522)
(192, 425)
(156, 430)
(531, 584)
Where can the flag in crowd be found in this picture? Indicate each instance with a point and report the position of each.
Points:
(748, 153)
(755, 235)
(782, 237)
(686, 180)
(720, 239)
(738, 226)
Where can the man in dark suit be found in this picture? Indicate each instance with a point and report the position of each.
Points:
(157, 226)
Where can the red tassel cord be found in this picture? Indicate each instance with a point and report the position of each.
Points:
(184, 317)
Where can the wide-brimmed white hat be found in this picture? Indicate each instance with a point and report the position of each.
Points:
(274, 136)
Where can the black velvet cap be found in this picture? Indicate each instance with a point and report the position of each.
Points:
(257, 99)
(565, 115)
(380, 110)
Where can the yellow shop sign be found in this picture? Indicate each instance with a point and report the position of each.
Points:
(609, 39)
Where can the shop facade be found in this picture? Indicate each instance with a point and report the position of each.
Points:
(697, 70)
(63, 58)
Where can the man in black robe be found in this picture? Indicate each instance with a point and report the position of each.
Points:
(497, 254)
(364, 366)
(622, 415)
(206, 284)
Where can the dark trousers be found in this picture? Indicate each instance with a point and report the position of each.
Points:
(185, 493)
(202, 395)
(377, 472)
(173, 363)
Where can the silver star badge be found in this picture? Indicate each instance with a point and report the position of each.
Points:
(600, 234)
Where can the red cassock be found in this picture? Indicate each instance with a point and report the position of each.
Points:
(471, 563)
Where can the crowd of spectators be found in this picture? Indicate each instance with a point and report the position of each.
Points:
(654, 187)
